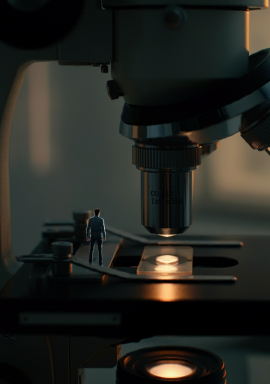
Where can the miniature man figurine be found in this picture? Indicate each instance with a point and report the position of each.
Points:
(95, 232)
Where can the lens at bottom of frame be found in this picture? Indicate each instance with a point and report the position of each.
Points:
(170, 369)
(183, 365)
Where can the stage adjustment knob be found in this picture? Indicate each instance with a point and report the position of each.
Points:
(256, 127)
(81, 218)
(62, 249)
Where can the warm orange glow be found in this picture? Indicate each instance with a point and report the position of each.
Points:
(247, 33)
(167, 235)
(165, 268)
(167, 259)
(170, 370)
(169, 292)
(39, 117)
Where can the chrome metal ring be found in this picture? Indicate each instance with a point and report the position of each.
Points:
(201, 129)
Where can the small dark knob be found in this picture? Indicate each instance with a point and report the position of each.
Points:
(114, 90)
(81, 218)
(174, 17)
(207, 149)
(104, 68)
(62, 249)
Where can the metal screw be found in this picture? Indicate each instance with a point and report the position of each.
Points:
(174, 17)
(8, 338)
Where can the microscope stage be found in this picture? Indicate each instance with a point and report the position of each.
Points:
(114, 307)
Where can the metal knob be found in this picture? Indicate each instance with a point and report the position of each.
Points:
(81, 218)
(62, 249)
(104, 68)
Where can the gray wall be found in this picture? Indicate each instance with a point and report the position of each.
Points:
(90, 163)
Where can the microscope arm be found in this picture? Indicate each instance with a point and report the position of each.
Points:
(90, 42)
(13, 66)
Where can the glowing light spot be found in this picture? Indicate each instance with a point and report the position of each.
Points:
(167, 259)
(170, 370)
(167, 235)
(165, 268)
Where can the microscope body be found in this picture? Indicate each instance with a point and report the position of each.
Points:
(178, 69)
(156, 62)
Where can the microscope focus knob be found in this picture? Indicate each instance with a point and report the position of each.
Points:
(256, 127)
(174, 17)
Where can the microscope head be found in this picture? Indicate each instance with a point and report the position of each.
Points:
(172, 64)
(164, 70)
(160, 62)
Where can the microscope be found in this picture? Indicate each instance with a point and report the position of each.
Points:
(188, 81)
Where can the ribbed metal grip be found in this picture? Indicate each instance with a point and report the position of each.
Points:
(166, 158)
(258, 137)
(255, 114)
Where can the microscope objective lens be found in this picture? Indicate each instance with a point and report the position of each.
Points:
(166, 202)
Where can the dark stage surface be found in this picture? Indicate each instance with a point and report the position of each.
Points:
(121, 308)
